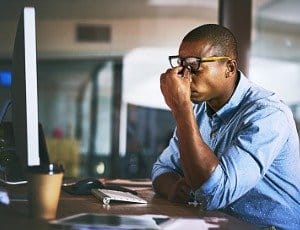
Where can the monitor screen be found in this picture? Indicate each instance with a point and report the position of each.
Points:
(24, 90)
(148, 133)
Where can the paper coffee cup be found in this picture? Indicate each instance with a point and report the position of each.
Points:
(44, 186)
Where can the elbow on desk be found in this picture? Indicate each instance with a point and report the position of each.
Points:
(210, 202)
(215, 193)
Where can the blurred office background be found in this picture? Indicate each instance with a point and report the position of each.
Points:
(99, 63)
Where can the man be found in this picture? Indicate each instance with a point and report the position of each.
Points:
(236, 147)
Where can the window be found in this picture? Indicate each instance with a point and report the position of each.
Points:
(275, 57)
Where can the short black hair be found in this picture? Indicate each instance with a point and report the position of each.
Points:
(220, 37)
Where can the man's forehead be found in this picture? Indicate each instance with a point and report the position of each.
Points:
(196, 48)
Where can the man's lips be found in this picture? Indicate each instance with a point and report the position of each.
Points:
(194, 92)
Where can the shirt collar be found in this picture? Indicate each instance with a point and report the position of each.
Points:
(231, 106)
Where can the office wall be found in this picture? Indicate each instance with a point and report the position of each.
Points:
(58, 38)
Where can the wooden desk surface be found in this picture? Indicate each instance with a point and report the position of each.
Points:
(16, 215)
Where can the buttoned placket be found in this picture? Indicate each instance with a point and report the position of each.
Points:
(214, 129)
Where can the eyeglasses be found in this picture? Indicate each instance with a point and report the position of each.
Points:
(193, 63)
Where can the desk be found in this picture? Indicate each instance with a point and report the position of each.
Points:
(15, 217)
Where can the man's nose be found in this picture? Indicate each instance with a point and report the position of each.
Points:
(185, 67)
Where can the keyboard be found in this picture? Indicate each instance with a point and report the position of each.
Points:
(107, 195)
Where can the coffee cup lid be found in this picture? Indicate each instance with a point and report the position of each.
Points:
(46, 168)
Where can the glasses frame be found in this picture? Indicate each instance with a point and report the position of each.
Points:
(199, 61)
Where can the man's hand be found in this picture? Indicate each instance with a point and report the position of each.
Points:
(175, 87)
(179, 192)
(172, 186)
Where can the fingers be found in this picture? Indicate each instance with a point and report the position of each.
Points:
(171, 72)
(184, 194)
(186, 189)
(183, 73)
(187, 74)
(180, 193)
(175, 87)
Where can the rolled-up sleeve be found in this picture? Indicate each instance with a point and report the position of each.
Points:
(168, 161)
(245, 161)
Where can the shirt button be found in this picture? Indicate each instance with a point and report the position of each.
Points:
(213, 135)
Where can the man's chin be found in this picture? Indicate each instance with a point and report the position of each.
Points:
(195, 101)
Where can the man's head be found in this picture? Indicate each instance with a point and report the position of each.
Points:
(219, 37)
(210, 51)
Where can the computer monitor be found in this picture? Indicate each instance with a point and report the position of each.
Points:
(24, 98)
(24, 89)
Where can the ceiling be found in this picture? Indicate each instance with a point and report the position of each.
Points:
(108, 9)
(272, 17)
(91, 9)
(280, 10)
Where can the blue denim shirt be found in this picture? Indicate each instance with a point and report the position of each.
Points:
(255, 139)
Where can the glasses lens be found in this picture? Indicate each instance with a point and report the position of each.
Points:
(192, 63)
(175, 61)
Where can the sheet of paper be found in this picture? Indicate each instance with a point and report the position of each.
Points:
(109, 221)
(186, 223)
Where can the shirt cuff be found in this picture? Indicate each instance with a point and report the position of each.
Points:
(213, 180)
(207, 191)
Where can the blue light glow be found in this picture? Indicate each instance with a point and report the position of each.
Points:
(5, 78)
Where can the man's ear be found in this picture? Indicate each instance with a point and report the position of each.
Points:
(231, 68)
